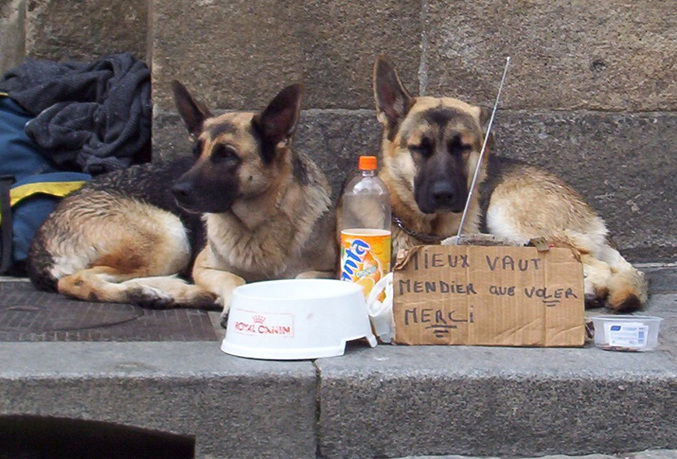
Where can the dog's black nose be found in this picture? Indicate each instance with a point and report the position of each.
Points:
(442, 193)
(181, 191)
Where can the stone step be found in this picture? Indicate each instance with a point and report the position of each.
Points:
(390, 401)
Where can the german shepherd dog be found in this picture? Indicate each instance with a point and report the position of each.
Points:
(430, 151)
(128, 236)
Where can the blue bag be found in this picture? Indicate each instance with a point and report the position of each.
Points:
(30, 186)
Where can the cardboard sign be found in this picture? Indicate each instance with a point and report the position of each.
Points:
(494, 296)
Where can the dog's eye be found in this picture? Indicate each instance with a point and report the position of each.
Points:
(457, 147)
(223, 153)
(424, 149)
(197, 148)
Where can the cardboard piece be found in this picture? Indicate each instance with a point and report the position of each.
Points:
(493, 296)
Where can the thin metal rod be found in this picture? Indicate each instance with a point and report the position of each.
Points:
(484, 146)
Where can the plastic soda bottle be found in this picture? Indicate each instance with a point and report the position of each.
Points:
(365, 227)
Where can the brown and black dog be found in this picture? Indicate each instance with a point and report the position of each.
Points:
(128, 235)
(430, 150)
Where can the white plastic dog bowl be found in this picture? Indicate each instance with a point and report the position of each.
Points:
(296, 319)
(626, 333)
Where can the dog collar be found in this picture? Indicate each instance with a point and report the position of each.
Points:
(427, 238)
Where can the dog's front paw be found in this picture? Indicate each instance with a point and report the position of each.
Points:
(225, 304)
(223, 319)
(149, 297)
(204, 300)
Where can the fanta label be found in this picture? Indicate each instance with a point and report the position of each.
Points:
(365, 256)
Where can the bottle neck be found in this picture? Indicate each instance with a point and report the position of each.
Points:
(368, 172)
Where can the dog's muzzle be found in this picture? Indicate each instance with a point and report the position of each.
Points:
(183, 195)
(442, 196)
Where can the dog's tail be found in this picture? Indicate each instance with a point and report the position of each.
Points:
(628, 287)
(614, 281)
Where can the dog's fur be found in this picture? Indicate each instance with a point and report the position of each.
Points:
(125, 236)
(430, 151)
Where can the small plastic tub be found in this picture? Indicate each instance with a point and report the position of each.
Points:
(296, 319)
(628, 333)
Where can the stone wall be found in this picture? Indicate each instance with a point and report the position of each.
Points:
(63, 30)
(591, 92)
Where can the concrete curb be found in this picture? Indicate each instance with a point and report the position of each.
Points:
(391, 401)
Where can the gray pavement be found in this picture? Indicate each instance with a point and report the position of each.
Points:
(652, 454)
(390, 401)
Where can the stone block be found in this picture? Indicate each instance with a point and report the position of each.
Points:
(64, 30)
(238, 54)
(662, 279)
(170, 137)
(232, 407)
(612, 55)
(663, 304)
(399, 401)
(336, 138)
(12, 33)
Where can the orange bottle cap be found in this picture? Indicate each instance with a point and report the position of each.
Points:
(367, 163)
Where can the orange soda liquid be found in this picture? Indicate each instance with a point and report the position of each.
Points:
(365, 256)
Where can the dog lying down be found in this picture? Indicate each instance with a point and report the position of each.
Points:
(430, 150)
(246, 207)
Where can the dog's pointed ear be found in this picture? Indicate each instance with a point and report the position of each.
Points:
(193, 112)
(393, 101)
(276, 124)
(482, 115)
